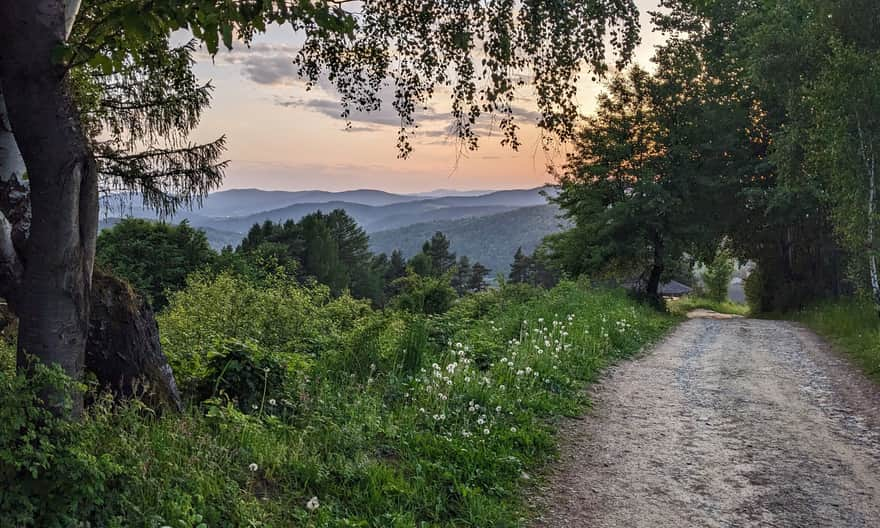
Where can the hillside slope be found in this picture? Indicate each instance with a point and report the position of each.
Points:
(492, 240)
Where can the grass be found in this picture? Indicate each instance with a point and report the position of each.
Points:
(852, 326)
(431, 422)
(683, 305)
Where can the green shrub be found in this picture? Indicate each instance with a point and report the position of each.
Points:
(424, 295)
(277, 315)
(244, 372)
(49, 476)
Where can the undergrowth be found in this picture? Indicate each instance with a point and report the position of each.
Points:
(364, 418)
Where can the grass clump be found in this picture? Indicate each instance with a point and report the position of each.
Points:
(683, 305)
(320, 412)
(853, 326)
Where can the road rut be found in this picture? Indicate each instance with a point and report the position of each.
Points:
(726, 423)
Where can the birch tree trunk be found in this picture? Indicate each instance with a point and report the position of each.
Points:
(872, 254)
(867, 151)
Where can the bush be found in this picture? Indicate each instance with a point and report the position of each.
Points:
(277, 315)
(49, 476)
(424, 295)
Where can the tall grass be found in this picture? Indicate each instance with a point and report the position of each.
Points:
(853, 326)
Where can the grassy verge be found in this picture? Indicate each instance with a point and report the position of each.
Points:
(851, 325)
(683, 305)
(400, 422)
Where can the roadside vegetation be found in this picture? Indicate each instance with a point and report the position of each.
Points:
(852, 325)
(683, 305)
(311, 410)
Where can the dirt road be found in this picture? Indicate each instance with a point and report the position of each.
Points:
(727, 423)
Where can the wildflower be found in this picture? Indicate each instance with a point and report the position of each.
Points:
(513, 429)
(253, 467)
(498, 409)
(313, 504)
(272, 401)
(480, 421)
(422, 410)
(266, 370)
(254, 406)
(486, 431)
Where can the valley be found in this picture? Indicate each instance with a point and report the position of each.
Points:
(487, 226)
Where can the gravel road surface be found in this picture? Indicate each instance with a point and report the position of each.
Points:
(726, 423)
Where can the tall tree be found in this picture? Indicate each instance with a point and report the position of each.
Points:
(520, 268)
(462, 275)
(437, 250)
(642, 173)
(477, 279)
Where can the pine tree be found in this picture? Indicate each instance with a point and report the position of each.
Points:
(396, 266)
(521, 268)
(477, 279)
(462, 275)
(437, 250)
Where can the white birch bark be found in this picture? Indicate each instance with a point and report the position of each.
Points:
(867, 151)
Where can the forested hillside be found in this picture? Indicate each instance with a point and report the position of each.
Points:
(492, 240)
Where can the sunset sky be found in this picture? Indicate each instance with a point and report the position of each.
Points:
(282, 137)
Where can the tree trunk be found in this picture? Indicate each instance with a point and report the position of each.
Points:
(123, 349)
(871, 169)
(872, 252)
(652, 287)
(59, 254)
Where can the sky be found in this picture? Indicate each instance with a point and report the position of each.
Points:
(282, 137)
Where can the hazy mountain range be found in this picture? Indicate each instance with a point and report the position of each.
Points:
(484, 225)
